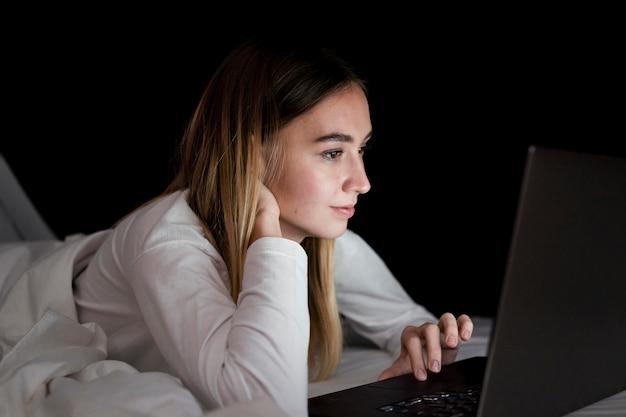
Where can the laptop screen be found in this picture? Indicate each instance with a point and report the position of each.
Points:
(562, 309)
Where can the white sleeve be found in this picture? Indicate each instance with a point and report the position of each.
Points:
(223, 352)
(369, 296)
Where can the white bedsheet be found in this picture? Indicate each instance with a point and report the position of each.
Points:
(53, 366)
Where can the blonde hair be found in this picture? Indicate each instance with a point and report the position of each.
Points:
(231, 142)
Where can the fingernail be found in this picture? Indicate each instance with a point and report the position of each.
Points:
(421, 375)
(451, 340)
(466, 334)
(434, 366)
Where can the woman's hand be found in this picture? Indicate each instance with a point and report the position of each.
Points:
(430, 345)
(267, 215)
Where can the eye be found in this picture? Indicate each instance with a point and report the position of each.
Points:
(331, 155)
(364, 148)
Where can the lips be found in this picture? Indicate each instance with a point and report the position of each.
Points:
(344, 211)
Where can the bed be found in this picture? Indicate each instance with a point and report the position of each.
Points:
(51, 365)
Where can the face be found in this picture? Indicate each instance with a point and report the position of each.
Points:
(323, 173)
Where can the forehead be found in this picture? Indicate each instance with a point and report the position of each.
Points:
(345, 111)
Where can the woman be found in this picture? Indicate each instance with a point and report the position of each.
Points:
(226, 280)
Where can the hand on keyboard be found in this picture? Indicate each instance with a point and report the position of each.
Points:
(430, 345)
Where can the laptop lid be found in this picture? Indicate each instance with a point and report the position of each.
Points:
(560, 332)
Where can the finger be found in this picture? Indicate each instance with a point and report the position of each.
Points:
(449, 329)
(413, 345)
(432, 338)
(400, 366)
(465, 326)
(387, 373)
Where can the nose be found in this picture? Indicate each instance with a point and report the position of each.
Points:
(357, 180)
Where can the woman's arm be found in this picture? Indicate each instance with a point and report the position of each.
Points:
(226, 352)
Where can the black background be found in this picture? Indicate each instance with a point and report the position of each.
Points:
(93, 114)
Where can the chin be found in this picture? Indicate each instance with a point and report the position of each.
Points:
(329, 232)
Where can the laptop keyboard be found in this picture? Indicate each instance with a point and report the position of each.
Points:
(439, 404)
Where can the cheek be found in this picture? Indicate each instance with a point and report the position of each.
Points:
(298, 192)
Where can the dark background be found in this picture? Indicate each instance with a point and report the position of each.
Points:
(93, 116)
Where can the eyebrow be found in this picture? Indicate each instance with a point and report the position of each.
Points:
(340, 137)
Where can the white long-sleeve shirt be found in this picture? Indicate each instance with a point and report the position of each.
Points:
(161, 292)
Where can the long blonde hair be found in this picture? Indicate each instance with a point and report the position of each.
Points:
(231, 142)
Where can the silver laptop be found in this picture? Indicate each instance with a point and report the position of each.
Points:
(560, 334)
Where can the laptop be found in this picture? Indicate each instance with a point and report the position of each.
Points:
(559, 338)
